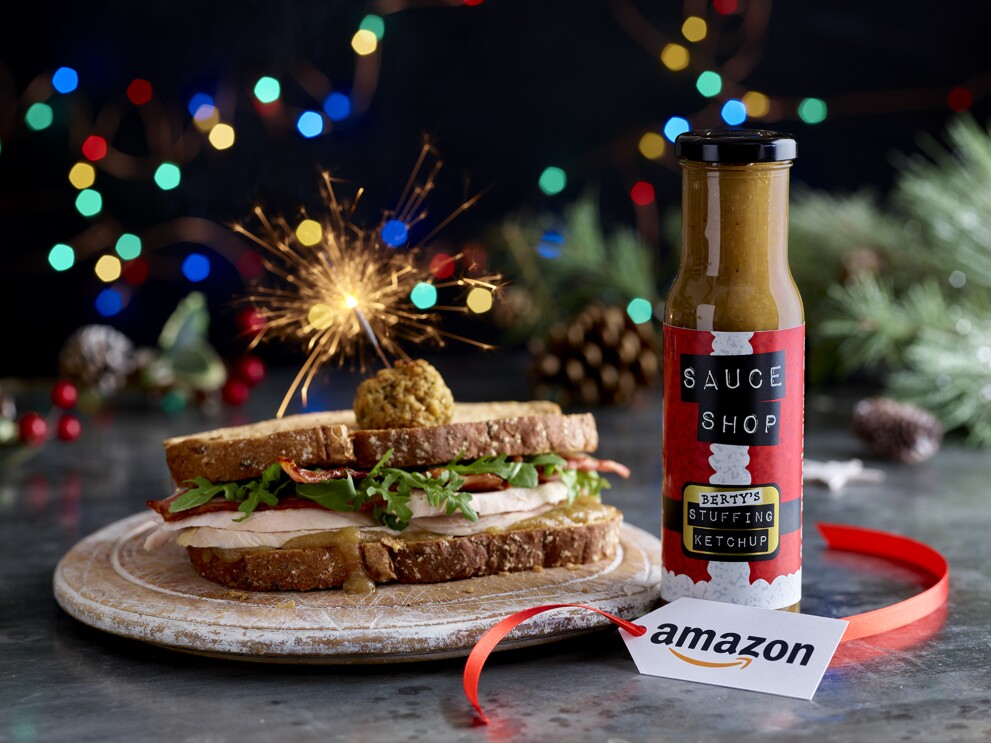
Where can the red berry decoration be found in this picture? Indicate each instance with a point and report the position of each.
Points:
(69, 428)
(250, 369)
(249, 321)
(64, 395)
(235, 392)
(33, 428)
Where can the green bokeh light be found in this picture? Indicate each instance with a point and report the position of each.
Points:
(709, 83)
(552, 180)
(62, 257)
(373, 23)
(168, 176)
(639, 310)
(812, 110)
(267, 89)
(424, 295)
(39, 116)
(128, 246)
(89, 203)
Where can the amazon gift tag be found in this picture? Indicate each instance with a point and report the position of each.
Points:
(775, 652)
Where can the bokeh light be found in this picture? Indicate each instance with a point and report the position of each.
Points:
(89, 203)
(168, 176)
(423, 296)
(552, 181)
(206, 117)
(198, 101)
(694, 28)
(724, 7)
(38, 116)
(309, 232)
(364, 42)
(321, 316)
(675, 125)
(373, 23)
(65, 80)
(139, 92)
(442, 266)
(135, 272)
(758, 104)
(250, 265)
(550, 245)
(709, 83)
(222, 136)
(109, 302)
(61, 257)
(734, 112)
(812, 110)
(479, 300)
(82, 175)
(960, 99)
(639, 310)
(94, 148)
(267, 89)
(310, 124)
(652, 145)
(642, 193)
(128, 246)
(675, 57)
(395, 233)
(337, 106)
(196, 267)
(107, 269)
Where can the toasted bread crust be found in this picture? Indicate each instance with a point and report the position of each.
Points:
(332, 438)
(425, 561)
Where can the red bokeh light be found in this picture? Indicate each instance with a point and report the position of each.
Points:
(960, 99)
(249, 321)
(135, 272)
(442, 266)
(473, 3)
(94, 148)
(642, 193)
(249, 265)
(474, 258)
(139, 92)
(726, 7)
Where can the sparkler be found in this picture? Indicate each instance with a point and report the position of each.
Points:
(345, 289)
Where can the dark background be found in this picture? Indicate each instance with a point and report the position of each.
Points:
(504, 89)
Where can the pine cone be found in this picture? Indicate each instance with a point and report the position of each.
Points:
(599, 358)
(97, 357)
(897, 430)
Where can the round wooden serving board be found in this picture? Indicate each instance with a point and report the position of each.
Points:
(110, 582)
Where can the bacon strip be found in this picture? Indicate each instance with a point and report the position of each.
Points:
(161, 507)
(299, 474)
(591, 464)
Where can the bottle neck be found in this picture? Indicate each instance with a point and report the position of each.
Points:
(734, 264)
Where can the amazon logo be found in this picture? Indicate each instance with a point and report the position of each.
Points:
(731, 644)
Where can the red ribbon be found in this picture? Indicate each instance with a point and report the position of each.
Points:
(838, 537)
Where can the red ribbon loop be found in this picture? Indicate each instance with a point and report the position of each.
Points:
(838, 537)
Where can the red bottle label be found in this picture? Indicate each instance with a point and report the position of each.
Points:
(732, 466)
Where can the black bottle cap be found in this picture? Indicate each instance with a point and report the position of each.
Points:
(735, 146)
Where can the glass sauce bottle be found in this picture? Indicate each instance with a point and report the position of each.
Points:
(734, 359)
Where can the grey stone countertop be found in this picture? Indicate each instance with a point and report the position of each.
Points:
(61, 680)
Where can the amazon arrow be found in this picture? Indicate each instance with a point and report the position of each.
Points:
(741, 661)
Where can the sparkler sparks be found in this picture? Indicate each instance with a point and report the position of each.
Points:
(347, 292)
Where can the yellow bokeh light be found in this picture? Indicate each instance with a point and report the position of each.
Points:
(364, 42)
(479, 300)
(652, 145)
(694, 28)
(675, 57)
(222, 136)
(108, 268)
(757, 104)
(350, 301)
(206, 117)
(82, 175)
(309, 232)
(321, 316)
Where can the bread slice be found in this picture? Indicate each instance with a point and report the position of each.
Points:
(422, 561)
(478, 429)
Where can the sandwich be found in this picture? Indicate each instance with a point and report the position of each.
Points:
(322, 500)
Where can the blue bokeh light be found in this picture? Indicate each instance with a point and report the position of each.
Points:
(551, 244)
(395, 233)
(734, 112)
(109, 302)
(676, 125)
(196, 267)
(198, 101)
(310, 124)
(65, 80)
(337, 106)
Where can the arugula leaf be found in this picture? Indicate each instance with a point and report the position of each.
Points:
(337, 495)
(264, 490)
(202, 492)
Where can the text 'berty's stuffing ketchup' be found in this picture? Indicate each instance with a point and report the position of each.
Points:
(734, 360)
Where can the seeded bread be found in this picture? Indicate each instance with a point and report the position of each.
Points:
(333, 438)
(425, 561)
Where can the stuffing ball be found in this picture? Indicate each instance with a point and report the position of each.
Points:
(410, 395)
